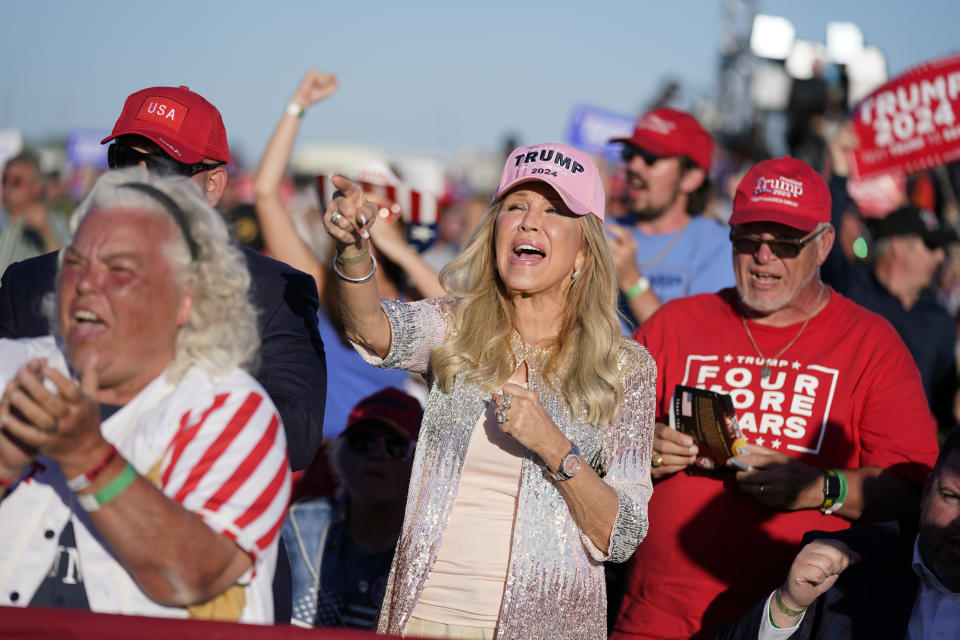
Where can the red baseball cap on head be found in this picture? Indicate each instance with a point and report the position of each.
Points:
(182, 122)
(668, 132)
(391, 407)
(784, 190)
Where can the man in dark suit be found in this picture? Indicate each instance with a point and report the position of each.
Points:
(172, 130)
(899, 584)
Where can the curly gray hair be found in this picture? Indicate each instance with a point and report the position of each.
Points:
(221, 332)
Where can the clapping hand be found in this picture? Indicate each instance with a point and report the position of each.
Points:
(45, 411)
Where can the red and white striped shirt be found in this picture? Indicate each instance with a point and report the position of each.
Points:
(222, 454)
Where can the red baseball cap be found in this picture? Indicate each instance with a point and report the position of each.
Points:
(182, 122)
(399, 411)
(668, 132)
(784, 190)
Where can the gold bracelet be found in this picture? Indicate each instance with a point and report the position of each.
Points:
(357, 259)
(784, 609)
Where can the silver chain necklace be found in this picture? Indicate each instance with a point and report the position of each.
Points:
(765, 371)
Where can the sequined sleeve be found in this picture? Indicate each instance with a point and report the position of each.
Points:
(626, 450)
(416, 329)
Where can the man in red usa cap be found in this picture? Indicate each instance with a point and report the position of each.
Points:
(173, 131)
(666, 248)
(826, 395)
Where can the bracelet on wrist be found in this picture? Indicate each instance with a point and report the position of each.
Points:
(6, 482)
(340, 275)
(84, 480)
(295, 109)
(642, 285)
(357, 259)
(784, 609)
(93, 501)
(834, 490)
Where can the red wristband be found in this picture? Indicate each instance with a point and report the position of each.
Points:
(81, 482)
(6, 482)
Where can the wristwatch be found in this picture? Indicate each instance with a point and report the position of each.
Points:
(569, 466)
(832, 492)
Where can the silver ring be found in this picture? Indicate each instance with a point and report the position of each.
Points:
(762, 488)
(501, 416)
(335, 217)
(506, 400)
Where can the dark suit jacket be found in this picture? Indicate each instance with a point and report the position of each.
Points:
(871, 599)
(292, 366)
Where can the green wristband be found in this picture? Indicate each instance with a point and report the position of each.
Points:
(843, 487)
(357, 259)
(641, 286)
(117, 486)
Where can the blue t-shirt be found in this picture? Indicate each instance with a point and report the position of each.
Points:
(349, 378)
(695, 259)
(698, 261)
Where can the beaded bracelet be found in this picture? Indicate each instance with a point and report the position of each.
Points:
(93, 501)
(340, 275)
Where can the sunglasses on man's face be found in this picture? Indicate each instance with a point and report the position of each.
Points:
(630, 152)
(395, 446)
(780, 247)
(157, 162)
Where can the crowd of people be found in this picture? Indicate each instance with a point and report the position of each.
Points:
(480, 440)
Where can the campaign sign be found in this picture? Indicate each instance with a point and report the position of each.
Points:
(591, 130)
(912, 122)
(84, 148)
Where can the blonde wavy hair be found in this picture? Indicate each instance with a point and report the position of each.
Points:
(221, 332)
(582, 360)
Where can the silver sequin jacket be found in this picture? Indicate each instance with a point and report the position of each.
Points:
(555, 582)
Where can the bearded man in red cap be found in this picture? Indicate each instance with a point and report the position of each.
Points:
(828, 400)
(668, 250)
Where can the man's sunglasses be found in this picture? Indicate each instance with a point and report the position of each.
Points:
(157, 162)
(780, 247)
(395, 446)
(630, 152)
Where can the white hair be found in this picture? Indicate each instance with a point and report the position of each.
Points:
(221, 332)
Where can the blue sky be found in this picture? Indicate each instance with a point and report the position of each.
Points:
(416, 76)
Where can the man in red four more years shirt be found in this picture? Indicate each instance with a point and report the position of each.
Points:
(828, 398)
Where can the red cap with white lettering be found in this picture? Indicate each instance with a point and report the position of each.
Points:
(668, 132)
(182, 122)
(783, 190)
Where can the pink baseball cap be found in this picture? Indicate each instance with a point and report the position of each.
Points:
(182, 122)
(571, 172)
(783, 190)
(668, 132)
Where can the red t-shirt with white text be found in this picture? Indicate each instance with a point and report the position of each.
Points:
(846, 394)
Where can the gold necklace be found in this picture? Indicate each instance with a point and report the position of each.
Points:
(765, 371)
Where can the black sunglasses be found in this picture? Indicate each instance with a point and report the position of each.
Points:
(630, 152)
(395, 446)
(780, 247)
(157, 162)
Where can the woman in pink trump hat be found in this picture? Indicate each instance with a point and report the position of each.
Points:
(532, 466)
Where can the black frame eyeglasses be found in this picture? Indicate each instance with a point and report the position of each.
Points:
(395, 446)
(780, 247)
(629, 152)
(121, 156)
